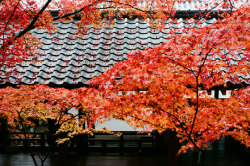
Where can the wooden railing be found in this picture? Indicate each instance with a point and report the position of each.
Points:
(127, 141)
(29, 139)
(98, 142)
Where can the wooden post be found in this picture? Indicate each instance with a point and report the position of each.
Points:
(160, 142)
(26, 143)
(168, 143)
(121, 144)
(82, 143)
(172, 145)
(92, 142)
(139, 143)
(104, 146)
(216, 95)
(42, 141)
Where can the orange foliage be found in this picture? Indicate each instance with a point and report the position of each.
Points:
(161, 88)
(171, 74)
(23, 105)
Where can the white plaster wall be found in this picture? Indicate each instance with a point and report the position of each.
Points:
(116, 125)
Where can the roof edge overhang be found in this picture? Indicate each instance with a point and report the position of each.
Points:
(229, 86)
(208, 14)
(52, 85)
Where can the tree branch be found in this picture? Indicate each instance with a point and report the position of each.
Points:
(77, 11)
(26, 138)
(197, 83)
(6, 28)
(180, 65)
(31, 25)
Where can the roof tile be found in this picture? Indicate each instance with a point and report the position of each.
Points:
(64, 60)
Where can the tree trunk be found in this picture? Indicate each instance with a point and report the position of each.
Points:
(201, 157)
(51, 136)
(63, 154)
(198, 158)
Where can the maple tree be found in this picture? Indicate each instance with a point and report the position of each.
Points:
(31, 106)
(161, 88)
(171, 75)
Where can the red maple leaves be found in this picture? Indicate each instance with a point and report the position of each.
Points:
(171, 75)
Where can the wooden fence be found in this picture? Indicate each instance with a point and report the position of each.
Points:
(22, 140)
(128, 141)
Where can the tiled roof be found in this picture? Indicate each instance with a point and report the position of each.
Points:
(65, 61)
